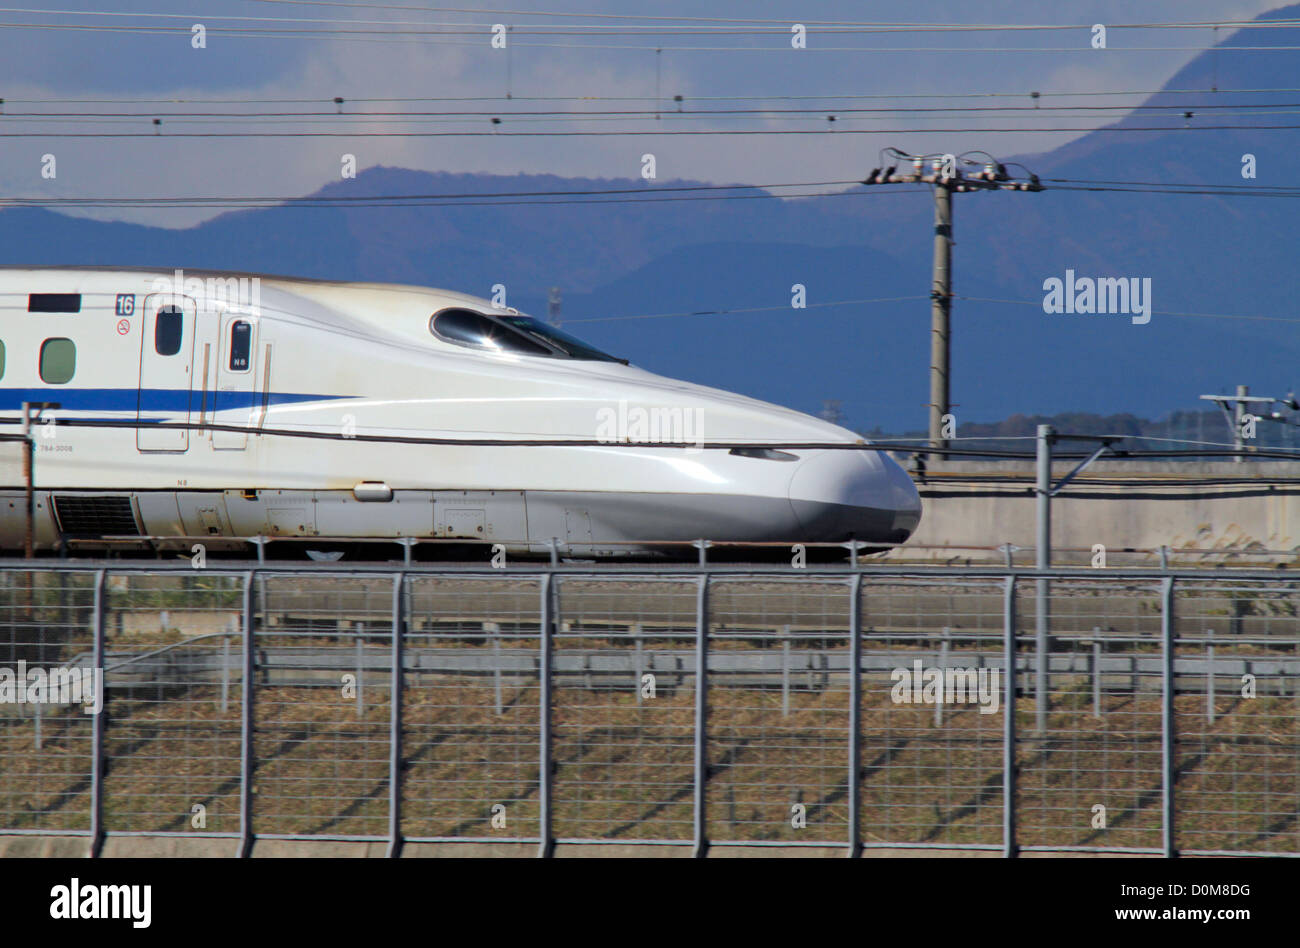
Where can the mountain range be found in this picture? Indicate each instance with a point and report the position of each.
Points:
(1234, 256)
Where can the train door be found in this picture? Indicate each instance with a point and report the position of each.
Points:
(166, 376)
(234, 401)
(207, 336)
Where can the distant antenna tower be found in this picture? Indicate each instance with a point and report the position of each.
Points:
(831, 410)
(553, 306)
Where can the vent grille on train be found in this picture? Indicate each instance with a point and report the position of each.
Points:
(95, 516)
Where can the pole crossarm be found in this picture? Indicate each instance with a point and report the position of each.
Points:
(944, 172)
(1230, 405)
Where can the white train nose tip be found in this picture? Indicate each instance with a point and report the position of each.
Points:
(861, 494)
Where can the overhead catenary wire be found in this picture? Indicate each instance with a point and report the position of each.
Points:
(690, 25)
(379, 202)
(323, 100)
(400, 32)
(500, 131)
(328, 199)
(658, 111)
(408, 36)
(1154, 312)
(648, 194)
(736, 311)
(371, 4)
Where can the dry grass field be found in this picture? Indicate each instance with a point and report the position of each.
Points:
(625, 772)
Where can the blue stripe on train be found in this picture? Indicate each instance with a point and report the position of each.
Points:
(147, 399)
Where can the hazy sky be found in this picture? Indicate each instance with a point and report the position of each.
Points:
(116, 61)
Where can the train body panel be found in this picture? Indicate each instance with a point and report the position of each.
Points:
(345, 362)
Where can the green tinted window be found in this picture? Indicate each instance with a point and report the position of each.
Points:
(58, 361)
(2, 360)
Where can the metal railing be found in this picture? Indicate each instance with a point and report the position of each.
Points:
(874, 708)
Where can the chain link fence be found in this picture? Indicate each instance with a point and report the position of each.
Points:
(1116, 711)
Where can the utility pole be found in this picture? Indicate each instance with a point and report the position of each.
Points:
(940, 316)
(1238, 413)
(1237, 407)
(946, 177)
(1042, 561)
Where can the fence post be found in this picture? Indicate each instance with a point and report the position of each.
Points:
(493, 631)
(1167, 714)
(855, 715)
(785, 673)
(1042, 561)
(246, 726)
(361, 703)
(395, 725)
(225, 674)
(701, 843)
(943, 666)
(1096, 671)
(1009, 847)
(638, 660)
(97, 725)
(1209, 683)
(546, 845)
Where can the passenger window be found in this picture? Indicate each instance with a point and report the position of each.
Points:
(468, 328)
(241, 345)
(2, 360)
(168, 328)
(58, 361)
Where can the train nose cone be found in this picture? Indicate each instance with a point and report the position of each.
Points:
(861, 494)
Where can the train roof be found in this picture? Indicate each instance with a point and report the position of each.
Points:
(204, 273)
(330, 293)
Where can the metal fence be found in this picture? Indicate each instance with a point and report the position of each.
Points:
(1146, 712)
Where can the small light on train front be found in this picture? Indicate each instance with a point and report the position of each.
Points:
(373, 492)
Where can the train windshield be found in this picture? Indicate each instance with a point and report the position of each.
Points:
(573, 348)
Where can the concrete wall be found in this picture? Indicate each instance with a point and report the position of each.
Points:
(1221, 506)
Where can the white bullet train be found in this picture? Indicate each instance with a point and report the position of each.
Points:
(179, 396)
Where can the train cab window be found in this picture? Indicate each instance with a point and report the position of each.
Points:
(241, 345)
(58, 361)
(568, 345)
(168, 327)
(467, 328)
